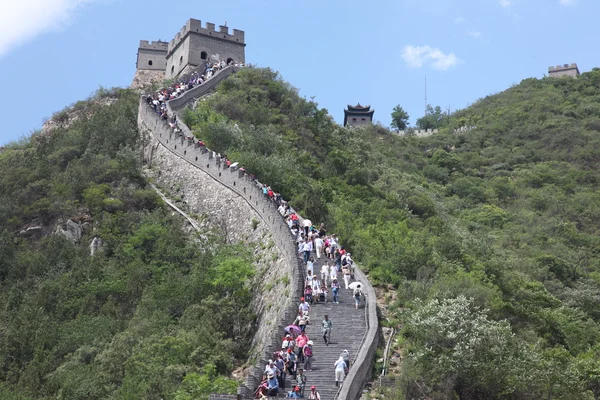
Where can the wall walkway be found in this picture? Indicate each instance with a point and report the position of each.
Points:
(361, 325)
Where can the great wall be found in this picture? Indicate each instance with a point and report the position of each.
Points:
(230, 200)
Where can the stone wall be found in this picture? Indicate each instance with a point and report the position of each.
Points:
(231, 203)
(416, 132)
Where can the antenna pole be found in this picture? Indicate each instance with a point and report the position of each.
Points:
(425, 113)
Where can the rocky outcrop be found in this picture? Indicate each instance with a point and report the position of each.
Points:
(71, 230)
(144, 79)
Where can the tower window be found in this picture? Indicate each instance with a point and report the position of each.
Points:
(353, 119)
(180, 60)
(203, 55)
(172, 69)
(364, 119)
(149, 62)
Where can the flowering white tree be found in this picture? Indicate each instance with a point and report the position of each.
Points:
(458, 349)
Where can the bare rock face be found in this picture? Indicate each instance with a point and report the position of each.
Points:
(143, 79)
(73, 231)
(35, 231)
(95, 246)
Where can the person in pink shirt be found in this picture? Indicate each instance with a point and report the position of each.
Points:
(300, 343)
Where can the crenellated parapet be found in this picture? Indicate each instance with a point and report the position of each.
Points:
(193, 46)
(194, 26)
(563, 70)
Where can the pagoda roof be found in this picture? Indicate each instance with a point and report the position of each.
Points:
(359, 108)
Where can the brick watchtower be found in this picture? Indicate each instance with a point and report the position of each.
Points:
(194, 45)
(152, 55)
(563, 70)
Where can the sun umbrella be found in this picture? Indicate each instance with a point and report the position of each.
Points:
(355, 285)
(292, 329)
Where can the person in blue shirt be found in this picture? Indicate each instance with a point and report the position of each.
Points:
(272, 385)
(295, 394)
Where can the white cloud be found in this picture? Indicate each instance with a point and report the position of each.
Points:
(505, 3)
(417, 56)
(567, 2)
(475, 35)
(23, 20)
(459, 20)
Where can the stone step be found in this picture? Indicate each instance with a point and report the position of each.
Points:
(347, 334)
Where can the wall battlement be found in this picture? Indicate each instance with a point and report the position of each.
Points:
(563, 70)
(156, 45)
(562, 67)
(416, 132)
(194, 26)
(193, 46)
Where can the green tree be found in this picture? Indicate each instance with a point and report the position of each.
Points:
(399, 118)
(432, 119)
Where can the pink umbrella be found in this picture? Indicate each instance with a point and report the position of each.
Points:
(292, 329)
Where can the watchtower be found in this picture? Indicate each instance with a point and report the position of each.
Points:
(194, 45)
(152, 55)
(358, 115)
(563, 70)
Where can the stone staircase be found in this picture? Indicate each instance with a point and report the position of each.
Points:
(347, 334)
(353, 330)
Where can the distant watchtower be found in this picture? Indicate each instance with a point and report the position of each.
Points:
(358, 115)
(563, 70)
(194, 45)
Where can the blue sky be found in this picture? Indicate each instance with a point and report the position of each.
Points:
(56, 52)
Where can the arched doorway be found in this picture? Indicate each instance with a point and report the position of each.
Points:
(149, 62)
(204, 55)
(229, 61)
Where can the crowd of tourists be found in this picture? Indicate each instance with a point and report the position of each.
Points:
(319, 287)
(296, 353)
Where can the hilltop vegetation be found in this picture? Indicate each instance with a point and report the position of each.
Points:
(488, 240)
(152, 315)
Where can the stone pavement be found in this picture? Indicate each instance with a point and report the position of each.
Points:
(347, 334)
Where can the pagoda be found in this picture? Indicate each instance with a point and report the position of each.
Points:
(358, 115)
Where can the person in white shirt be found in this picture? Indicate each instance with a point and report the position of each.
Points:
(324, 273)
(340, 367)
(319, 246)
(307, 249)
(332, 273)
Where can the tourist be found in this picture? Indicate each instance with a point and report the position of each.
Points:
(295, 393)
(347, 275)
(290, 363)
(300, 343)
(280, 365)
(304, 306)
(319, 243)
(340, 370)
(357, 294)
(335, 288)
(326, 324)
(324, 273)
(308, 354)
(301, 381)
(272, 385)
(314, 395)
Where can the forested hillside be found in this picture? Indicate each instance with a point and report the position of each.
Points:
(485, 243)
(152, 314)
